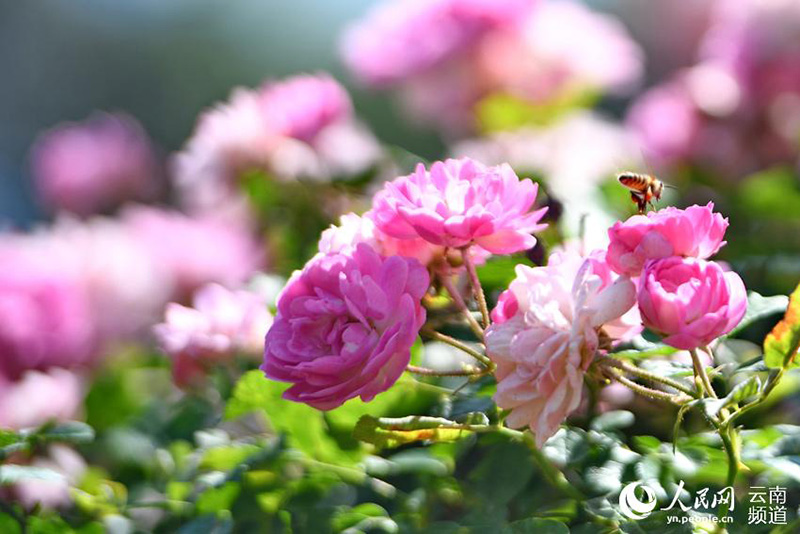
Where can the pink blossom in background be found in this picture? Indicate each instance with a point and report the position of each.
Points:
(45, 316)
(345, 326)
(447, 56)
(95, 165)
(460, 203)
(696, 231)
(543, 59)
(300, 127)
(543, 350)
(304, 105)
(52, 494)
(574, 156)
(220, 324)
(195, 251)
(39, 397)
(689, 301)
(666, 122)
(401, 38)
(125, 285)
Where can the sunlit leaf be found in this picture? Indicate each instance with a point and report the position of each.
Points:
(781, 345)
(759, 307)
(303, 425)
(381, 434)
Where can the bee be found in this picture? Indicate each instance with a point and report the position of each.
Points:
(644, 188)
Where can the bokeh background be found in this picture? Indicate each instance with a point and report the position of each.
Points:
(117, 239)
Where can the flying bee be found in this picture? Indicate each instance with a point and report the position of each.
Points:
(644, 188)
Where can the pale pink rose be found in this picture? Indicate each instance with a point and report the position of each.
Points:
(543, 350)
(402, 38)
(125, 285)
(696, 231)
(95, 165)
(355, 229)
(52, 494)
(689, 301)
(541, 61)
(300, 127)
(45, 317)
(459, 203)
(39, 397)
(221, 324)
(345, 326)
(195, 251)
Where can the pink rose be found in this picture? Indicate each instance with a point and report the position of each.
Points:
(400, 39)
(52, 493)
(545, 346)
(694, 232)
(45, 316)
(38, 397)
(690, 301)
(95, 165)
(345, 326)
(195, 251)
(461, 203)
(221, 323)
(303, 126)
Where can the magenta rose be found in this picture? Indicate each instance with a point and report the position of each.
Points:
(690, 301)
(692, 232)
(345, 326)
(460, 203)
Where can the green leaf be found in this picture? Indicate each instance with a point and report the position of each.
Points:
(350, 517)
(781, 345)
(11, 474)
(499, 112)
(227, 457)
(759, 307)
(304, 426)
(69, 432)
(613, 420)
(535, 525)
(218, 498)
(742, 391)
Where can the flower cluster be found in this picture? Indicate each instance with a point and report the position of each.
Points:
(737, 109)
(302, 127)
(449, 57)
(346, 322)
(683, 297)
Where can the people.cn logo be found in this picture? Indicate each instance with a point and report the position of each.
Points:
(630, 505)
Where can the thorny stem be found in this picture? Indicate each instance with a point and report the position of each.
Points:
(646, 391)
(447, 282)
(470, 371)
(444, 338)
(477, 288)
(647, 375)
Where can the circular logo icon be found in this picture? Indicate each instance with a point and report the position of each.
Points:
(630, 505)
